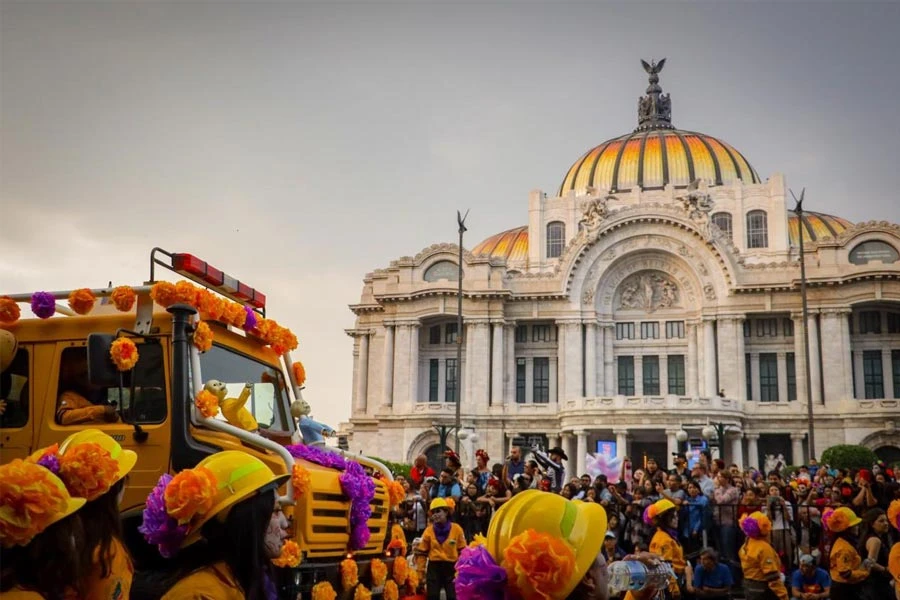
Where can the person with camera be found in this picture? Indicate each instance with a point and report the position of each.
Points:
(781, 514)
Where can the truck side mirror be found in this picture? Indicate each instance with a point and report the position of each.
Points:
(101, 370)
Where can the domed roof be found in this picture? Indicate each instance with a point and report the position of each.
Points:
(656, 154)
(511, 244)
(815, 226)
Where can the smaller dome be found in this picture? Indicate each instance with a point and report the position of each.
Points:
(511, 245)
(815, 226)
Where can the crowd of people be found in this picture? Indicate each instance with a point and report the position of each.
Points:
(816, 520)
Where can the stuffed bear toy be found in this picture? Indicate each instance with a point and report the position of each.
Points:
(312, 431)
(233, 408)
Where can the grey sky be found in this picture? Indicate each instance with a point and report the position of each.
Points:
(299, 146)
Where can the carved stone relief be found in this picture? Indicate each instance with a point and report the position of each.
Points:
(709, 291)
(648, 291)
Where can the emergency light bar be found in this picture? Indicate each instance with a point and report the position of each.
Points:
(208, 276)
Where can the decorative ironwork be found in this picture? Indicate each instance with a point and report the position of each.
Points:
(654, 109)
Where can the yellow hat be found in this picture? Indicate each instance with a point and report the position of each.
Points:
(578, 526)
(840, 519)
(439, 503)
(656, 509)
(32, 499)
(91, 462)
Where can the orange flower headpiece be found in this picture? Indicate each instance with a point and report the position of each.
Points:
(893, 514)
(840, 519)
(482, 454)
(756, 525)
(88, 470)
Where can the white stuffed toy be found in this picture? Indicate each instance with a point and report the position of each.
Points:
(313, 432)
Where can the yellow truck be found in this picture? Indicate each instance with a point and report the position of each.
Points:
(60, 378)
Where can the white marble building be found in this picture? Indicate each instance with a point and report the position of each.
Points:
(656, 291)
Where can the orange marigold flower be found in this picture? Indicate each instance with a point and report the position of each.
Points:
(9, 310)
(538, 565)
(207, 403)
(163, 293)
(203, 337)
(323, 591)
(301, 479)
(290, 555)
(123, 298)
(299, 373)
(391, 591)
(190, 493)
(210, 305)
(234, 314)
(186, 293)
(401, 570)
(124, 354)
(349, 573)
(31, 498)
(263, 329)
(396, 493)
(412, 580)
(88, 470)
(362, 593)
(379, 572)
(82, 301)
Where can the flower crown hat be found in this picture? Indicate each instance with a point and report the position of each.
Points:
(89, 462)
(179, 506)
(756, 525)
(538, 545)
(893, 514)
(32, 499)
(840, 519)
(657, 509)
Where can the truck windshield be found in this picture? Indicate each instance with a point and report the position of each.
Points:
(268, 400)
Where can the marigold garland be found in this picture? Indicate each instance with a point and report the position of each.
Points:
(538, 564)
(391, 591)
(299, 373)
(82, 301)
(349, 573)
(190, 493)
(203, 337)
(290, 555)
(9, 310)
(300, 479)
(323, 591)
(31, 497)
(124, 354)
(396, 493)
(186, 293)
(163, 293)
(400, 571)
(234, 315)
(379, 572)
(123, 298)
(362, 593)
(88, 470)
(210, 305)
(207, 403)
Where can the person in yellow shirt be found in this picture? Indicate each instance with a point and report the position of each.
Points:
(439, 547)
(893, 513)
(763, 579)
(227, 505)
(846, 566)
(39, 533)
(663, 514)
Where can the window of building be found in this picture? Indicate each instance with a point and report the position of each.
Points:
(788, 326)
(541, 386)
(14, 392)
(434, 371)
(556, 238)
(521, 334)
(748, 362)
(791, 376)
(768, 377)
(520, 381)
(674, 329)
(443, 269)
(451, 382)
(624, 331)
(895, 368)
(626, 375)
(766, 327)
(873, 374)
(543, 333)
(649, 330)
(676, 374)
(722, 220)
(747, 328)
(893, 322)
(870, 321)
(450, 333)
(434, 334)
(651, 375)
(757, 229)
(268, 402)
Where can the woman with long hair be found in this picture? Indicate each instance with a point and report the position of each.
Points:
(224, 513)
(873, 546)
(848, 572)
(94, 466)
(39, 534)
(663, 514)
(760, 564)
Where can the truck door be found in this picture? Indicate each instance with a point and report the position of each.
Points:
(16, 421)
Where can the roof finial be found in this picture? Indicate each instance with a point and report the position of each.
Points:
(654, 109)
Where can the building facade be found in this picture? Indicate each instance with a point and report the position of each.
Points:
(656, 292)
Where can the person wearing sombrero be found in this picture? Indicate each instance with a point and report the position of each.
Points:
(438, 550)
(847, 570)
(39, 534)
(663, 514)
(553, 465)
(222, 523)
(763, 579)
(893, 513)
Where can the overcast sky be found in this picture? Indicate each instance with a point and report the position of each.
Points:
(300, 146)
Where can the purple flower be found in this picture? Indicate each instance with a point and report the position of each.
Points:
(158, 527)
(750, 527)
(251, 322)
(43, 304)
(50, 461)
(478, 576)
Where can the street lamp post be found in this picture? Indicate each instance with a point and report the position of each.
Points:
(461, 220)
(444, 432)
(811, 440)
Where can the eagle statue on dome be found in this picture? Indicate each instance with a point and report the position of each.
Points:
(653, 67)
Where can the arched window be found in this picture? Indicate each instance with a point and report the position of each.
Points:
(556, 238)
(443, 269)
(757, 229)
(722, 220)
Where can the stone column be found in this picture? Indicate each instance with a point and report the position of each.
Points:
(797, 440)
(478, 365)
(561, 335)
(362, 373)
(815, 368)
(664, 375)
(781, 362)
(741, 360)
(590, 359)
(860, 391)
(509, 377)
(414, 364)
(497, 364)
(638, 375)
(609, 363)
(753, 450)
(737, 450)
(691, 366)
(837, 375)
(709, 357)
(754, 376)
(887, 368)
(402, 373)
(581, 452)
(387, 392)
(568, 445)
(573, 373)
(621, 442)
(671, 446)
(728, 336)
(799, 357)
